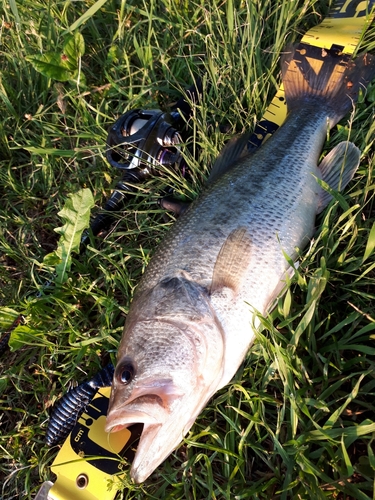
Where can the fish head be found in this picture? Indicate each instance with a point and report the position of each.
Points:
(165, 374)
(155, 361)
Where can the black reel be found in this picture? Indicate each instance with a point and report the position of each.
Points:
(138, 142)
(145, 139)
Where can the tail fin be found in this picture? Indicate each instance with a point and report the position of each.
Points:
(317, 77)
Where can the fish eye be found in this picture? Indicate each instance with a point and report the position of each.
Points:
(126, 372)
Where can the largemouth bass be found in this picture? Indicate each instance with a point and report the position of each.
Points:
(194, 313)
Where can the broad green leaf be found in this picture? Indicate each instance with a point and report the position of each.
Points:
(52, 65)
(24, 335)
(79, 77)
(76, 214)
(7, 317)
(51, 259)
(3, 383)
(74, 49)
(64, 65)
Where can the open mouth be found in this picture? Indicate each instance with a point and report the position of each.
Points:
(161, 414)
(147, 410)
(122, 419)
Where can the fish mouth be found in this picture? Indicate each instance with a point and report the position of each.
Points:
(167, 413)
(152, 415)
(147, 410)
(164, 427)
(149, 404)
(153, 447)
(121, 419)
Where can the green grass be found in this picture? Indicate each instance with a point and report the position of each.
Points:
(297, 421)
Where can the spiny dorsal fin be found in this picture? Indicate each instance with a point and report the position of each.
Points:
(232, 261)
(234, 149)
(337, 169)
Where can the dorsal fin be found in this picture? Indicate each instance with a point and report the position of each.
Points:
(234, 149)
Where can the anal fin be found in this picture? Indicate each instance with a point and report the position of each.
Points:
(337, 169)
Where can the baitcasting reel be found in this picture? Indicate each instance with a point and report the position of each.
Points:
(144, 139)
(137, 144)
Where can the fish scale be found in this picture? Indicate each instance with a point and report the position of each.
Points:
(195, 312)
(204, 228)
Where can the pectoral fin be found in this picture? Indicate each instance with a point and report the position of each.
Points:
(337, 169)
(232, 261)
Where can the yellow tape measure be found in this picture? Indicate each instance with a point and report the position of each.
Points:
(347, 21)
(90, 464)
(90, 460)
(341, 31)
